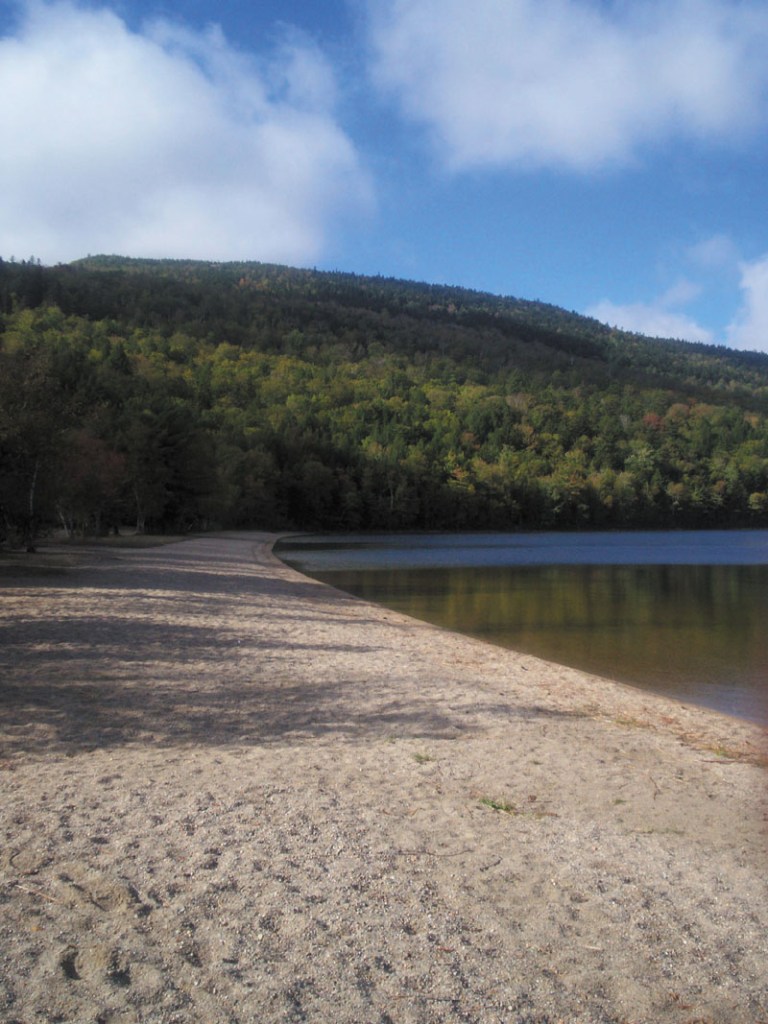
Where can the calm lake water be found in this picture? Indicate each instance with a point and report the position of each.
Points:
(681, 613)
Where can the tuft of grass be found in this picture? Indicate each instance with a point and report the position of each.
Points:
(498, 805)
(423, 758)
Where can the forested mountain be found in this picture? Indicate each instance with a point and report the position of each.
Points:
(184, 395)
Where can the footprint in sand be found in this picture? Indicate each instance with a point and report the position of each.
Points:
(96, 964)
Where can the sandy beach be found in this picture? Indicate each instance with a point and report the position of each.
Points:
(233, 795)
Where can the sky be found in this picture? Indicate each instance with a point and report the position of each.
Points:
(607, 156)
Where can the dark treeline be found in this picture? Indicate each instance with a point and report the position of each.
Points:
(181, 395)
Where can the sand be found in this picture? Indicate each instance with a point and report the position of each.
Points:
(231, 794)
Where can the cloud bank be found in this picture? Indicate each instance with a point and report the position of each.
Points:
(749, 329)
(655, 320)
(167, 142)
(665, 316)
(571, 84)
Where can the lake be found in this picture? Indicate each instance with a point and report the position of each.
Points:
(681, 613)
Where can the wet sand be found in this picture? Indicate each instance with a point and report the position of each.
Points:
(232, 794)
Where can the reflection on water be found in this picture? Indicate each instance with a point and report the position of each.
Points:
(696, 632)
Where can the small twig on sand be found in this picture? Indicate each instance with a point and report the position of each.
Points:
(36, 892)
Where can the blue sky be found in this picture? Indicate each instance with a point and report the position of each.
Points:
(608, 156)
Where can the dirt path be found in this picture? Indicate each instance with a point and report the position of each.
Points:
(231, 794)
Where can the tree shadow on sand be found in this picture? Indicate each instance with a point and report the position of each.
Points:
(112, 664)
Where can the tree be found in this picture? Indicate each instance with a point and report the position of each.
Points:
(88, 484)
(34, 413)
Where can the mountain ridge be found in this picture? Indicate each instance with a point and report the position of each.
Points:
(248, 393)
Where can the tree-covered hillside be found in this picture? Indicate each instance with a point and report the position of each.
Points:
(183, 395)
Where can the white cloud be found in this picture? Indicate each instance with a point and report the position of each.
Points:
(167, 142)
(570, 83)
(716, 258)
(654, 320)
(718, 253)
(680, 293)
(749, 329)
